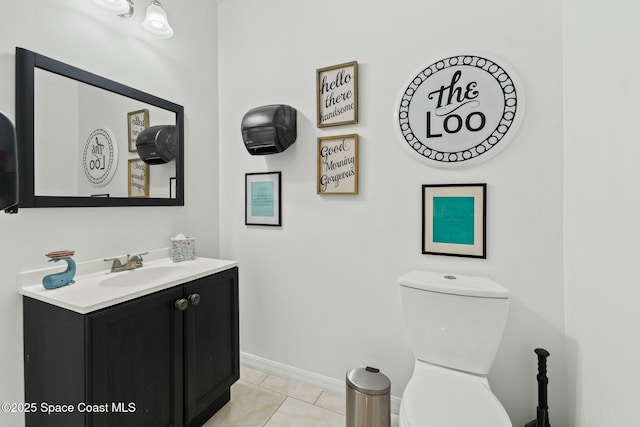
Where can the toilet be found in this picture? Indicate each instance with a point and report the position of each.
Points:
(455, 324)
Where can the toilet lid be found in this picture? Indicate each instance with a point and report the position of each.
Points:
(452, 400)
(453, 284)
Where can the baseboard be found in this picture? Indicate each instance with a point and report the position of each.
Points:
(327, 384)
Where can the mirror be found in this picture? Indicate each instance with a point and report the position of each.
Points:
(77, 135)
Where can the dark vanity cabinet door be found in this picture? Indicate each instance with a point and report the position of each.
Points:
(54, 362)
(212, 355)
(136, 363)
(148, 362)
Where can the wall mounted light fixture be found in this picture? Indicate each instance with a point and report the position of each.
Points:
(129, 12)
(155, 22)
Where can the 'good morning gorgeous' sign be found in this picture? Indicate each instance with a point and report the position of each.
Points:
(459, 111)
(338, 164)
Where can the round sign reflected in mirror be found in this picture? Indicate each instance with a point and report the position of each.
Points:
(100, 157)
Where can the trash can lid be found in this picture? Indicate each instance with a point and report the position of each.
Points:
(368, 381)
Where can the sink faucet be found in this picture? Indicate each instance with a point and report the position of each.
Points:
(133, 262)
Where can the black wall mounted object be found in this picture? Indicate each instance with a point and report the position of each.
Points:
(28, 64)
(269, 129)
(8, 166)
(157, 144)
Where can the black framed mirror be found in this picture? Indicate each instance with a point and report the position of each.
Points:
(77, 134)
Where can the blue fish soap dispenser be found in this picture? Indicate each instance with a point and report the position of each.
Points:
(57, 280)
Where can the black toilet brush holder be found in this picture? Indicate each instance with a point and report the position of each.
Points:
(542, 412)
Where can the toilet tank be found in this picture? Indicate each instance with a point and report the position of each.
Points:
(455, 321)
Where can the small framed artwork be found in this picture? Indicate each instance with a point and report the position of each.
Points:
(337, 94)
(137, 121)
(262, 199)
(338, 164)
(454, 220)
(138, 178)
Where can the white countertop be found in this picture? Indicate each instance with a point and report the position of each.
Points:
(91, 290)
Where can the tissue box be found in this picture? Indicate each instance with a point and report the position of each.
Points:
(183, 249)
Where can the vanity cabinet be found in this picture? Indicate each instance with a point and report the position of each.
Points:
(164, 359)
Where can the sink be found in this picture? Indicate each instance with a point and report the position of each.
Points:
(96, 287)
(143, 276)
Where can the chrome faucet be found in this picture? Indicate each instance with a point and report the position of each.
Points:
(133, 262)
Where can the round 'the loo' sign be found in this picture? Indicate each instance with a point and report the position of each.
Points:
(459, 111)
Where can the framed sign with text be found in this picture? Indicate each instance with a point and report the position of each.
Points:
(454, 220)
(138, 178)
(337, 94)
(338, 164)
(137, 121)
(262, 199)
(459, 111)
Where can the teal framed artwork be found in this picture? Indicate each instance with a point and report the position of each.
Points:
(262, 199)
(454, 220)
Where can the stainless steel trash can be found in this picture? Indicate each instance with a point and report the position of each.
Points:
(368, 398)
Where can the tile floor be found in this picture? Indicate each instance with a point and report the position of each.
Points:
(259, 399)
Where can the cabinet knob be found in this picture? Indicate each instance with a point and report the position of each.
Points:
(182, 304)
(194, 299)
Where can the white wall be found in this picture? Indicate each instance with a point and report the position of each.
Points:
(183, 70)
(61, 177)
(320, 293)
(601, 87)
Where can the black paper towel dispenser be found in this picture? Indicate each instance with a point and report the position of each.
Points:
(269, 129)
(157, 144)
(8, 166)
